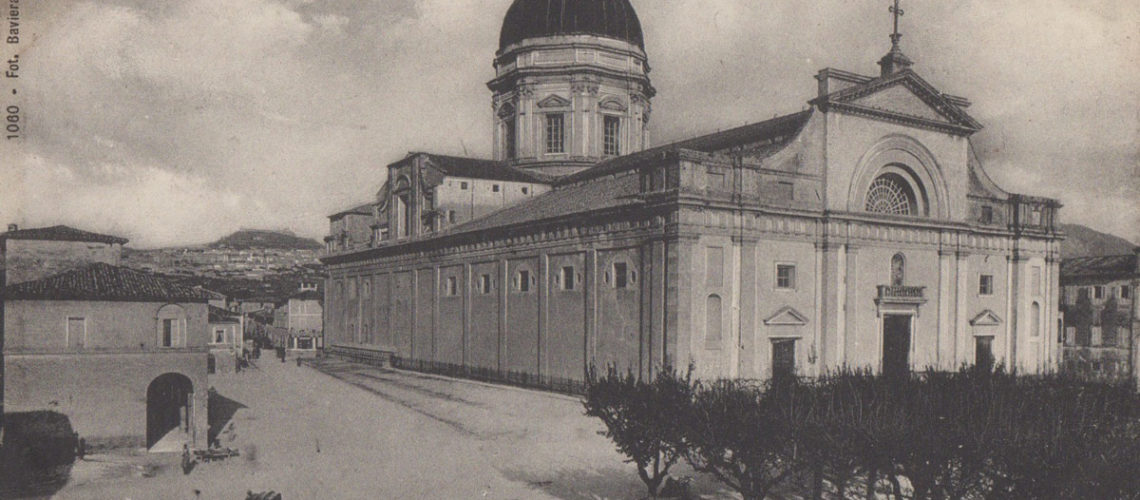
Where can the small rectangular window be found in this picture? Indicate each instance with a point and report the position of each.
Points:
(451, 216)
(785, 276)
(452, 286)
(611, 143)
(523, 284)
(568, 278)
(525, 190)
(219, 336)
(1098, 292)
(495, 188)
(1125, 292)
(620, 280)
(485, 284)
(555, 134)
(987, 214)
(462, 185)
(986, 285)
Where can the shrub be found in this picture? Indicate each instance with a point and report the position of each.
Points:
(732, 432)
(971, 433)
(638, 421)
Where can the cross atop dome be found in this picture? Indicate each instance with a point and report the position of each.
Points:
(895, 60)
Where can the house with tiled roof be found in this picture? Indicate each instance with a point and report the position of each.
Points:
(28, 254)
(862, 231)
(121, 352)
(1101, 315)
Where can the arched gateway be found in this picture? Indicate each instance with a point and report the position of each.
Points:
(169, 410)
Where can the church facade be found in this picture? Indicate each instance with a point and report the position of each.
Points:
(861, 232)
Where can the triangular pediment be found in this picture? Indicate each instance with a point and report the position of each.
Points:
(554, 101)
(786, 316)
(899, 99)
(986, 318)
(903, 97)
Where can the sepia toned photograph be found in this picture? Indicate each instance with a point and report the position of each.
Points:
(570, 249)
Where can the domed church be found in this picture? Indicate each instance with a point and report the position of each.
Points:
(860, 232)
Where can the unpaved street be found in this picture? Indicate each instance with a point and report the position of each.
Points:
(352, 431)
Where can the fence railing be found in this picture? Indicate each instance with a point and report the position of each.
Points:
(510, 377)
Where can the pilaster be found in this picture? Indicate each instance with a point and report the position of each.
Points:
(961, 304)
(849, 311)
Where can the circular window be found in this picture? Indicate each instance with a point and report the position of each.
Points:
(891, 194)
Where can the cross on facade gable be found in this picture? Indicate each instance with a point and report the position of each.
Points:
(896, 12)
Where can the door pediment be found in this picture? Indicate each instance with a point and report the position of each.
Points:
(786, 316)
(986, 318)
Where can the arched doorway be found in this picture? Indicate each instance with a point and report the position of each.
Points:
(168, 408)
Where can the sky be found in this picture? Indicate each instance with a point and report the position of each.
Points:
(178, 122)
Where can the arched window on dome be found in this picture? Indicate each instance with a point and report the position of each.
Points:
(891, 194)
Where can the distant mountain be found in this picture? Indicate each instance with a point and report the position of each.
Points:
(255, 238)
(1081, 241)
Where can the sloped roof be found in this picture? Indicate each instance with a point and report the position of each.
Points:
(569, 201)
(779, 130)
(61, 233)
(1116, 266)
(104, 282)
(365, 209)
(587, 197)
(482, 169)
(219, 315)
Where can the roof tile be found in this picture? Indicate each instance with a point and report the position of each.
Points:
(104, 282)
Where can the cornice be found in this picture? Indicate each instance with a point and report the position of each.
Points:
(899, 118)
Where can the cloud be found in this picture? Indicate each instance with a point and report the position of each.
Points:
(182, 121)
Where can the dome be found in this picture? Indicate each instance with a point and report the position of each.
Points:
(539, 18)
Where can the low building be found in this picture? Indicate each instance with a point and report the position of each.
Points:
(30, 254)
(298, 322)
(1101, 315)
(227, 339)
(122, 353)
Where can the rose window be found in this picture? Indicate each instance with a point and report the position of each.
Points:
(890, 194)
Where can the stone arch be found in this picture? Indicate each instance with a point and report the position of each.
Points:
(169, 411)
(902, 156)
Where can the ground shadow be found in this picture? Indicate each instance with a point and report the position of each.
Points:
(36, 455)
(219, 413)
(614, 482)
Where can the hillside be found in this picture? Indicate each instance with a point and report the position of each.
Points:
(1081, 241)
(252, 238)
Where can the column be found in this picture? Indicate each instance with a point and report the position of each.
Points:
(961, 330)
(748, 345)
